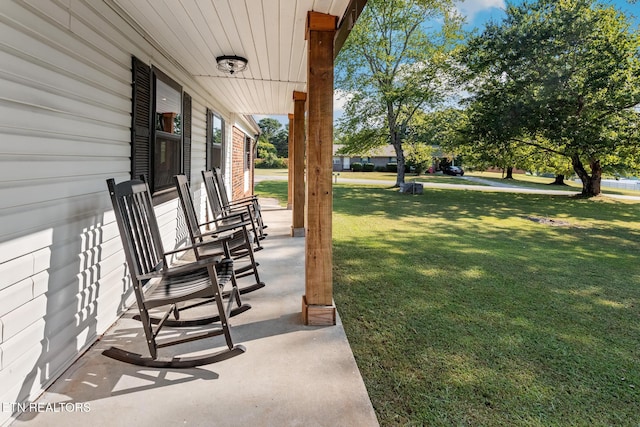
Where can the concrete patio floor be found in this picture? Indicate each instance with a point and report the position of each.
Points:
(290, 375)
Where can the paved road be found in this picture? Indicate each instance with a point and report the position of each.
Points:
(486, 185)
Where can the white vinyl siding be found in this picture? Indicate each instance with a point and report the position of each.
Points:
(65, 118)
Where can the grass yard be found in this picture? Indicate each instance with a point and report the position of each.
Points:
(273, 189)
(490, 309)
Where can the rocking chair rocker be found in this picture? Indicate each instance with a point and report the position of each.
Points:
(157, 285)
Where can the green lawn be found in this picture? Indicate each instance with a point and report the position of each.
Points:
(475, 309)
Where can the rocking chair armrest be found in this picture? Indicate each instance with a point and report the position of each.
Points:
(192, 266)
(181, 268)
(237, 204)
(238, 216)
(243, 199)
(232, 227)
(240, 210)
(221, 233)
(150, 275)
(195, 246)
(201, 224)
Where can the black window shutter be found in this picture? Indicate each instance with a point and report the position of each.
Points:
(186, 135)
(141, 119)
(209, 134)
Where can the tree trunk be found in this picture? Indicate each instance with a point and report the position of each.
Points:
(559, 180)
(401, 164)
(509, 173)
(590, 183)
(396, 140)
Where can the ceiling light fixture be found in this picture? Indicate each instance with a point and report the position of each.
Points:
(231, 64)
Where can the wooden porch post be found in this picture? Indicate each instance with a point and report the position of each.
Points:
(317, 303)
(297, 228)
(290, 165)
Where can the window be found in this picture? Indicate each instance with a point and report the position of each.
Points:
(215, 139)
(160, 129)
(167, 147)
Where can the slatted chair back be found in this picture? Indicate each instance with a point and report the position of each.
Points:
(213, 191)
(186, 200)
(137, 225)
(222, 189)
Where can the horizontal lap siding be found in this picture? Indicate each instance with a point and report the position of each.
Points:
(64, 129)
(198, 155)
(65, 100)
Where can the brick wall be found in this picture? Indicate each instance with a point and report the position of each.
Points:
(238, 167)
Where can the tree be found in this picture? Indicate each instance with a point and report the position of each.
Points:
(281, 141)
(420, 155)
(266, 149)
(269, 127)
(429, 131)
(488, 135)
(393, 65)
(273, 132)
(566, 71)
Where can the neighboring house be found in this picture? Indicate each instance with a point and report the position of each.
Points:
(98, 89)
(379, 157)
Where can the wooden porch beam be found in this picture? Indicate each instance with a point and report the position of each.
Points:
(297, 227)
(351, 15)
(318, 307)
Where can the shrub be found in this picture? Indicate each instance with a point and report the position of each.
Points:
(265, 149)
(381, 169)
(356, 167)
(271, 162)
(392, 167)
(368, 167)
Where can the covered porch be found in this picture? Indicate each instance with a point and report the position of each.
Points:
(279, 61)
(291, 374)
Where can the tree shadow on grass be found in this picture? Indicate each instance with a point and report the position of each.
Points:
(353, 199)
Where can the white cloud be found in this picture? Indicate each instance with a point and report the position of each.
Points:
(469, 8)
(340, 98)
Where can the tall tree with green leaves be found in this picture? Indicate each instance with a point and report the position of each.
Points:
(275, 133)
(393, 64)
(563, 71)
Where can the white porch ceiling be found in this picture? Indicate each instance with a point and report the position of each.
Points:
(269, 33)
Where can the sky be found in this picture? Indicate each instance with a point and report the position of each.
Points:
(477, 13)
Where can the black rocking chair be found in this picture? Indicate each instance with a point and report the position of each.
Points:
(223, 208)
(239, 245)
(157, 285)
